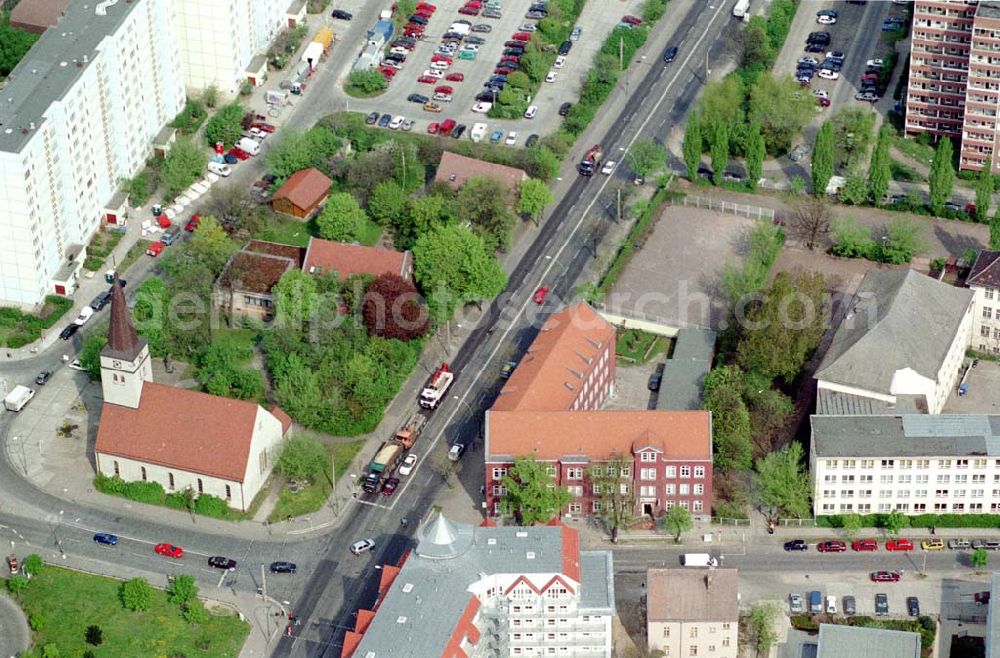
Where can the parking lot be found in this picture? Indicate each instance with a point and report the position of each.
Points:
(595, 23)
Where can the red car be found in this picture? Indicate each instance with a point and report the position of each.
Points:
(885, 576)
(440, 57)
(427, 79)
(455, 77)
(169, 550)
(540, 295)
(899, 545)
(155, 249)
(237, 152)
(390, 486)
(423, 13)
(446, 127)
(869, 77)
(469, 11)
(414, 27)
(427, 7)
(433, 128)
(632, 20)
(504, 70)
(475, 4)
(443, 89)
(513, 59)
(192, 223)
(823, 102)
(521, 36)
(264, 127)
(981, 598)
(864, 545)
(831, 547)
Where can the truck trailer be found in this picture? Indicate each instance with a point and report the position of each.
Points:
(384, 463)
(18, 398)
(407, 435)
(588, 165)
(436, 388)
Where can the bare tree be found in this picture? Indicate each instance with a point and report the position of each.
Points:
(811, 220)
(612, 482)
(235, 209)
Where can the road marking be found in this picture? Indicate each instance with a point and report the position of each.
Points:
(569, 239)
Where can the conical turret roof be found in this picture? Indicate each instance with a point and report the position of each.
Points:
(123, 342)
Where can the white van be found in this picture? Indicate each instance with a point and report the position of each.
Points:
(531, 112)
(698, 560)
(460, 28)
(251, 146)
(478, 131)
(219, 168)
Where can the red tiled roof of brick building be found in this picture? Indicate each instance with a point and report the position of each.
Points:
(305, 188)
(324, 256)
(37, 15)
(455, 169)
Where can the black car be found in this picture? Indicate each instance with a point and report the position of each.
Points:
(418, 19)
(536, 14)
(815, 48)
(818, 37)
(68, 332)
(565, 47)
(458, 131)
(669, 54)
(485, 97)
(881, 604)
(474, 40)
(564, 109)
(372, 119)
(101, 300)
(43, 377)
(796, 545)
(516, 52)
(532, 138)
(384, 121)
(538, 7)
(283, 567)
(482, 27)
(220, 562)
(654, 381)
(452, 36)
(912, 606)
(417, 98)
(394, 58)
(850, 605)
(342, 15)
(230, 159)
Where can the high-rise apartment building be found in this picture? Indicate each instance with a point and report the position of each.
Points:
(954, 84)
(77, 115)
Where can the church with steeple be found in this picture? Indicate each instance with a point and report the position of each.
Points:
(182, 439)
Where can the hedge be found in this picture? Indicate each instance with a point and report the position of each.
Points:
(918, 521)
(153, 493)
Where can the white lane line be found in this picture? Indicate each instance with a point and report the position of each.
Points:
(555, 259)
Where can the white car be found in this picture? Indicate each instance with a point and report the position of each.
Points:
(408, 125)
(455, 452)
(811, 61)
(874, 62)
(821, 93)
(440, 66)
(434, 73)
(608, 167)
(482, 108)
(470, 48)
(828, 74)
(560, 62)
(399, 50)
(826, 20)
(408, 464)
(76, 365)
(85, 314)
(531, 112)
(551, 77)
(575, 34)
(258, 134)
(397, 122)
(831, 605)
(511, 138)
(362, 546)
(527, 27)
(443, 98)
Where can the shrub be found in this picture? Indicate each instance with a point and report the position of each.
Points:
(37, 621)
(33, 564)
(194, 612)
(136, 594)
(17, 584)
(183, 589)
(145, 492)
(209, 505)
(95, 636)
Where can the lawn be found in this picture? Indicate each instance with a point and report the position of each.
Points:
(18, 329)
(67, 602)
(137, 251)
(311, 498)
(904, 173)
(640, 346)
(369, 232)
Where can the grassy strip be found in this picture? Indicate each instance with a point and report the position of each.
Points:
(18, 328)
(100, 248)
(917, 521)
(313, 497)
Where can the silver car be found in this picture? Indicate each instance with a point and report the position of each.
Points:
(362, 546)
(795, 604)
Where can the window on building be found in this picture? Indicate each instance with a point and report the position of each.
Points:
(699, 489)
(647, 474)
(684, 490)
(831, 463)
(987, 313)
(671, 471)
(647, 456)
(685, 471)
(693, 633)
(666, 631)
(170, 480)
(693, 651)
(117, 472)
(647, 491)
(697, 506)
(143, 471)
(229, 492)
(201, 486)
(574, 473)
(575, 491)
(550, 471)
(499, 473)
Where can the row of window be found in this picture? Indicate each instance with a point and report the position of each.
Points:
(595, 506)
(942, 478)
(918, 508)
(672, 490)
(170, 480)
(579, 472)
(905, 464)
(670, 471)
(905, 493)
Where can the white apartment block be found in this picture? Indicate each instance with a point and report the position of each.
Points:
(984, 282)
(77, 115)
(219, 38)
(692, 612)
(917, 464)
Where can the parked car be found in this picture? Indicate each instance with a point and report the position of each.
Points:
(458, 131)
(220, 562)
(432, 129)
(575, 34)
(532, 139)
(959, 544)
(397, 122)
(70, 329)
(864, 545)
(417, 98)
(884, 576)
(193, 222)
(831, 605)
(101, 300)
(431, 106)
(282, 566)
(899, 545)
(564, 109)
(932, 544)
(831, 546)
(85, 314)
(342, 15)
(981, 598)
(796, 545)
(455, 77)
(987, 544)
(169, 550)
(362, 546)
(455, 452)
(795, 604)
(881, 605)
(408, 464)
(511, 138)
(798, 153)
(483, 28)
(850, 605)
(912, 606)
(551, 76)
(632, 20)
(106, 538)
(655, 379)
(75, 364)
(43, 377)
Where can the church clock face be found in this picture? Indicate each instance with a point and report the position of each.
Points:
(116, 364)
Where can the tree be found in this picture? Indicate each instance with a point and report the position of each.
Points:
(542, 163)
(852, 132)
(484, 202)
(880, 170)
(677, 520)
(294, 151)
(756, 152)
(692, 146)
(453, 265)
(756, 47)
(194, 612)
(995, 233)
(366, 82)
(387, 202)
(302, 457)
(896, 521)
(341, 218)
(421, 215)
(519, 80)
(984, 191)
(210, 246)
(393, 308)
(17, 584)
(295, 298)
(225, 126)
(531, 496)
(942, 175)
(730, 418)
(14, 44)
(783, 482)
(184, 164)
(136, 594)
(535, 64)
(534, 196)
(855, 190)
(646, 156)
(32, 564)
(850, 239)
(720, 152)
(822, 162)
(722, 103)
(612, 484)
(901, 243)
(51, 650)
(851, 524)
(781, 109)
(94, 635)
(235, 209)
(210, 96)
(811, 220)
(763, 618)
(980, 558)
(183, 589)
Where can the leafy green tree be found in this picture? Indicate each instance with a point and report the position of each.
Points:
(646, 156)
(942, 175)
(366, 82)
(194, 612)
(235, 209)
(852, 132)
(387, 202)
(851, 524)
(781, 109)
(756, 50)
(150, 317)
(535, 64)
(722, 103)
(980, 558)
(136, 594)
(676, 521)
(294, 151)
(756, 152)
(896, 521)
(730, 418)
(454, 265)
(612, 485)
(531, 495)
(692, 146)
(720, 152)
(822, 162)
(184, 164)
(302, 394)
(210, 96)
(222, 373)
(341, 218)
(421, 215)
(542, 163)
(763, 626)
(32, 564)
(183, 589)
(225, 126)
(14, 44)
(855, 190)
(534, 196)
(295, 298)
(209, 246)
(880, 170)
(302, 457)
(17, 584)
(902, 242)
(519, 80)
(995, 233)
(783, 482)
(94, 635)
(850, 239)
(984, 191)
(484, 202)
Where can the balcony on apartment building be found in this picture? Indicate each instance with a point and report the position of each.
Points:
(915, 87)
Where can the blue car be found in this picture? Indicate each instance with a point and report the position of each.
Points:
(230, 159)
(496, 137)
(106, 538)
